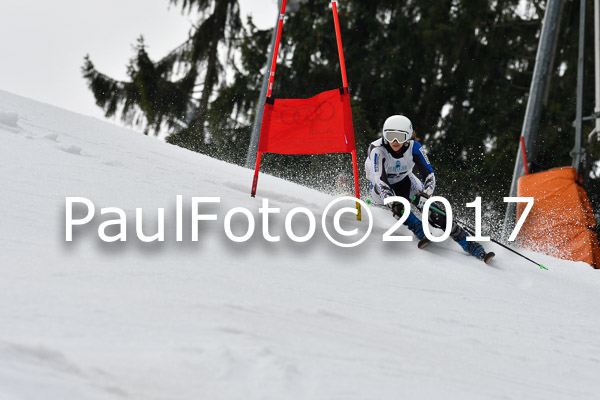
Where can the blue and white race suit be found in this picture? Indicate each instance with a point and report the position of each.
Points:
(390, 172)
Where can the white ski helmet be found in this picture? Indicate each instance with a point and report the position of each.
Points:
(398, 128)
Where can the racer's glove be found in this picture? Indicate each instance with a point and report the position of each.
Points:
(419, 199)
(397, 209)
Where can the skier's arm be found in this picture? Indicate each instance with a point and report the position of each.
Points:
(425, 168)
(377, 175)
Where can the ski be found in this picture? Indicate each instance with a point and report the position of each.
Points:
(423, 243)
(487, 257)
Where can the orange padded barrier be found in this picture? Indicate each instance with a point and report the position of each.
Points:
(561, 221)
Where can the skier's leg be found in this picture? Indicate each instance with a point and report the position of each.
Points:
(457, 233)
(438, 220)
(404, 189)
(460, 236)
(415, 225)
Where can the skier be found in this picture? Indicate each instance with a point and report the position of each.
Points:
(389, 166)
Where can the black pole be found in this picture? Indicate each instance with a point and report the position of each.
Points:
(471, 231)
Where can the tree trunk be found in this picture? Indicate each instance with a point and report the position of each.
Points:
(210, 78)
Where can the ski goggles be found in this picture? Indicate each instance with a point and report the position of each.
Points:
(398, 136)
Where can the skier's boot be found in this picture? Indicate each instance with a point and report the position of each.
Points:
(473, 248)
(416, 227)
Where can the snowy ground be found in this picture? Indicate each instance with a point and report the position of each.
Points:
(215, 319)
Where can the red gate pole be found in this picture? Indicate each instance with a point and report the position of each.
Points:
(276, 50)
(269, 90)
(336, 21)
(338, 36)
(256, 168)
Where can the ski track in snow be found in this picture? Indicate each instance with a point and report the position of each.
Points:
(257, 320)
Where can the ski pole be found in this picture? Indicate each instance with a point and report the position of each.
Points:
(471, 231)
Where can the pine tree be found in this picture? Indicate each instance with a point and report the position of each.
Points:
(166, 90)
(231, 113)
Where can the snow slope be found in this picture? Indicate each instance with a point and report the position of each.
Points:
(215, 319)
